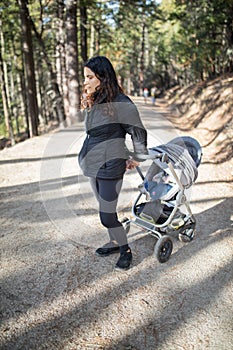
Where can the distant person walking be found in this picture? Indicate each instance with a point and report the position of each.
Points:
(145, 94)
(153, 92)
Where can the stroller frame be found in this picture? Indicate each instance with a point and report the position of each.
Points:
(184, 227)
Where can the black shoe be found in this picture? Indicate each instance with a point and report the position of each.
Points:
(124, 261)
(107, 249)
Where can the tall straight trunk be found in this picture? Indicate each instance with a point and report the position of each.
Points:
(92, 39)
(14, 85)
(61, 57)
(23, 101)
(229, 36)
(5, 70)
(72, 60)
(6, 108)
(97, 39)
(59, 42)
(142, 60)
(29, 67)
(6, 89)
(83, 30)
(13, 96)
(142, 53)
(54, 85)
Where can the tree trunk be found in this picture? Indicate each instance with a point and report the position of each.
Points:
(229, 35)
(97, 39)
(72, 60)
(92, 39)
(15, 88)
(6, 109)
(54, 85)
(61, 57)
(13, 98)
(59, 42)
(83, 30)
(142, 61)
(29, 67)
(23, 101)
(5, 70)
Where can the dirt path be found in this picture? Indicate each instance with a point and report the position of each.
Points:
(56, 294)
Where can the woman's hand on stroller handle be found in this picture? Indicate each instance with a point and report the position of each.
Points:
(131, 164)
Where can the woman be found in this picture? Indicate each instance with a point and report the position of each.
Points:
(109, 116)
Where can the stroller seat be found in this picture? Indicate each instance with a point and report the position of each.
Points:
(161, 186)
(159, 180)
(160, 183)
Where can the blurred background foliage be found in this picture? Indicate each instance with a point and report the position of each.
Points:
(44, 43)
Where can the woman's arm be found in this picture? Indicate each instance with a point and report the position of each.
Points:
(133, 126)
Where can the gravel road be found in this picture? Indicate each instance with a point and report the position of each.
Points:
(57, 295)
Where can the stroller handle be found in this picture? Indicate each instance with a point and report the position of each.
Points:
(140, 157)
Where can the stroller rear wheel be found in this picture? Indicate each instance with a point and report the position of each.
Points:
(163, 248)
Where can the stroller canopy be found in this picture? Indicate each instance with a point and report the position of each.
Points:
(185, 155)
(192, 145)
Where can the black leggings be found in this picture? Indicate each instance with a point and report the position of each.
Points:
(107, 193)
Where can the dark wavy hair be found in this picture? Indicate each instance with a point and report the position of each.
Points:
(109, 87)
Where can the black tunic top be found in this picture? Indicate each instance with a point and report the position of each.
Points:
(104, 152)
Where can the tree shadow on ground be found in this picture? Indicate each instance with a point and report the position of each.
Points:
(39, 159)
(213, 225)
(82, 313)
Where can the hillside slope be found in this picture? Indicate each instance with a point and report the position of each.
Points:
(206, 109)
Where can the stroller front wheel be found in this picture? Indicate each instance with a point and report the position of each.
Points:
(163, 248)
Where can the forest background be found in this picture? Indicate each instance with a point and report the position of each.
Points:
(169, 44)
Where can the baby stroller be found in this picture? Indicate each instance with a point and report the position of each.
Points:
(162, 207)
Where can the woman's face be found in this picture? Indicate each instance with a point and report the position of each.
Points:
(90, 81)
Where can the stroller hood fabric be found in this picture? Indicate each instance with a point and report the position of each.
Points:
(181, 160)
(192, 145)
